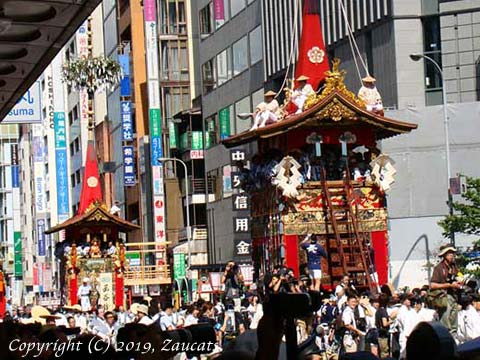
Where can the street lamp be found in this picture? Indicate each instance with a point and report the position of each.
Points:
(417, 57)
(163, 159)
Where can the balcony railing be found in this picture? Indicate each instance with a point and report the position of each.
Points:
(147, 275)
(197, 186)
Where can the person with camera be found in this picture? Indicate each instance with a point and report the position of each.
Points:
(444, 288)
(232, 279)
(342, 290)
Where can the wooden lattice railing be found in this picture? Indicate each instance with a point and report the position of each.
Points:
(147, 275)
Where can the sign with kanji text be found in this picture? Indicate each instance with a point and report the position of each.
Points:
(196, 154)
(127, 122)
(129, 178)
(243, 247)
(236, 180)
(179, 266)
(241, 225)
(237, 156)
(240, 202)
(106, 291)
(224, 123)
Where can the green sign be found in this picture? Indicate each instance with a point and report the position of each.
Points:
(133, 258)
(179, 266)
(184, 141)
(172, 129)
(197, 140)
(17, 242)
(224, 123)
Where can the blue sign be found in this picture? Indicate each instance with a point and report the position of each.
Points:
(129, 178)
(63, 206)
(15, 177)
(124, 61)
(42, 249)
(28, 109)
(157, 150)
(125, 86)
(38, 149)
(60, 130)
(127, 123)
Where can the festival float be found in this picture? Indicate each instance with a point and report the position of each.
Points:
(94, 265)
(318, 172)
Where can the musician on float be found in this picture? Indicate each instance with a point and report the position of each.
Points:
(370, 95)
(267, 111)
(301, 92)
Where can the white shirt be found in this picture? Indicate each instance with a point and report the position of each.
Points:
(166, 321)
(470, 320)
(341, 300)
(305, 91)
(348, 317)
(145, 321)
(190, 320)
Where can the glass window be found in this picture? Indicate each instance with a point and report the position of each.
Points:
(242, 106)
(212, 134)
(174, 60)
(176, 100)
(221, 12)
(206, 20)
(237, 6)
(256, 50)
(224, 66)
(208, 76)
(240, 56)
(257, 98)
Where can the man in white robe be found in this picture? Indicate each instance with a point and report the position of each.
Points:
(370, 95)
(302, 92)
(84, 295)
(266, 111)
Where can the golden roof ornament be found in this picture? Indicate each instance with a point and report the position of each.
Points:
(334, 82)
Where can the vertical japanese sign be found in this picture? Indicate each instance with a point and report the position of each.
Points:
(224, 122)
(127, 122)
(17, 243)
(219, 12)
(173, 135)
(60, 145)
(63, 207)
(179, 266)
(42, 246)
(124, 61)
(156, 147)
(82, 49)
(14, 163)
(128, 166)
(106, 290)
(241, 205)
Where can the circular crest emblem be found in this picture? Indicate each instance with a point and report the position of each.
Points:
(316, 55)
(92, 181)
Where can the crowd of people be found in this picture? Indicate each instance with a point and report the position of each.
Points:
(345, 321)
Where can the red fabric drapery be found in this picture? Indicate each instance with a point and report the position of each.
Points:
(73, 287)
(118, 289)
(91, 188)
(291, 253)
(380, 247)
(312, 55)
